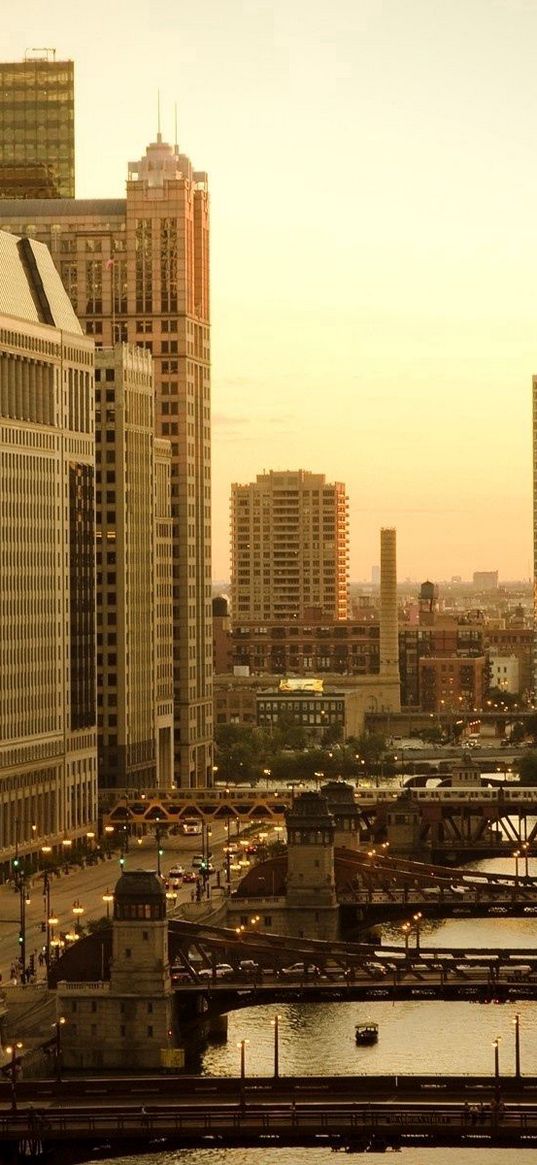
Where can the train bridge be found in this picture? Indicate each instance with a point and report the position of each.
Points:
(459, 821)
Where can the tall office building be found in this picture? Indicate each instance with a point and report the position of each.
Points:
(134, 583)
(137, 270)
(37, 127)
(535, 535)
(48, 747)
(289, 547)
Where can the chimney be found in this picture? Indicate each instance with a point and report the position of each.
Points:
(389, 631)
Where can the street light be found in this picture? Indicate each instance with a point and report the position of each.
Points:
(78, 911)
(108, 898)
(406, 931)
(242, 1045)
(525, 847)
(275, 1023)
(496, 1046)
(13, 1051)
(516, 1022)
(516, 856)
(58, 1024)
(417, 919)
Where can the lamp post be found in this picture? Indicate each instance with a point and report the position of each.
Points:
(78, 911)
(516, 1022)
(406, 932)
(228, 859)
(496, 1046)
(525, 847)
(24, 900)
(57, 1025)
(160, 851)
(516, 856)
(242, 1045)
(108, 898)
(13, 1051)
(275, 1023)
(417, 919)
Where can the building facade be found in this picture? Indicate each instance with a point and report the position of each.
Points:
(137, 270)
(289, 547)
(48, 745)
(37, 127)
(453, 683)
(135, 705)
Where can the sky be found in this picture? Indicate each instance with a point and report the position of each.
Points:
(373, 178)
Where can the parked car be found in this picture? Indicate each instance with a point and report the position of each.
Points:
(190, 876)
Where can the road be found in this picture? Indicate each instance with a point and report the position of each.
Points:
(87, 886)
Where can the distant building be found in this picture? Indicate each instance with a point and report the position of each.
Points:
(504, 673)
(48, 736)
(452, 684)
(37, 127)
(485, 580)
(311, 706)
(134, 579)
(289, 547)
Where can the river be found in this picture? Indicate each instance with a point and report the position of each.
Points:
(420, 1036)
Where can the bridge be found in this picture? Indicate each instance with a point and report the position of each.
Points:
(353, 1113)
(463, 821)
(230, 969)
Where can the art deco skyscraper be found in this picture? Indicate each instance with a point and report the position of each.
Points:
(137, 270)
(289, 547)
(48, 746)
(37, 129)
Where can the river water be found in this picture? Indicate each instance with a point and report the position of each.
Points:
(420, 1036)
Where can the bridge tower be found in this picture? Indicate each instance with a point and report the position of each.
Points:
(311, 886)
(346, 814)
(128, 1022)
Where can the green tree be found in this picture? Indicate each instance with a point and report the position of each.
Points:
(527, 768)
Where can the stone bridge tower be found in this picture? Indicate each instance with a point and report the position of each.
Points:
(311, 888)
(346, 814)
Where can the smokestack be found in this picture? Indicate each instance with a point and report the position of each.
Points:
(389, 632)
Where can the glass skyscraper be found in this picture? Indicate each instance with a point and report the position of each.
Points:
(37, 136)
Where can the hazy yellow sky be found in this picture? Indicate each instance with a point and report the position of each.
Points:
(373, 174)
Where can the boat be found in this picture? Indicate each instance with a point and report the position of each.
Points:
(366, 1033)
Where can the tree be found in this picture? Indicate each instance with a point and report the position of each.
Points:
(527, 768)
(371, 747)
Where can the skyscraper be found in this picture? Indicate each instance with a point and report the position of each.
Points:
(137, 270)
(134, 609)
(48, 748)
(37, 128)
(289, 547)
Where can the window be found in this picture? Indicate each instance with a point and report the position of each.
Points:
(128, 953)
(150, 1031)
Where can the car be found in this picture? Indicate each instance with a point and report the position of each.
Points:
(221, 971)
(191, 827)
(297, 970)
(190, 876)
(180, 975)
(248, 967)
(176, 874)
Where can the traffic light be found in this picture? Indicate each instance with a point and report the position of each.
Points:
(21, 938)
(160, 850)
(122, 862)
(16, 863)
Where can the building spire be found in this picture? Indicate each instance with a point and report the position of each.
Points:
(159, 135)
(176, 146)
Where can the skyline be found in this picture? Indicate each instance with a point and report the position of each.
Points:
(402, 335)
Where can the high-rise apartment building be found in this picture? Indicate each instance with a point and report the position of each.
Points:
(289, 547)
(37, 127)
(137, 270)
(48, 745)
(134, 583)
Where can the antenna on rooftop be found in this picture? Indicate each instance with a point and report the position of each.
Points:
(159, 135)
(175, 128)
